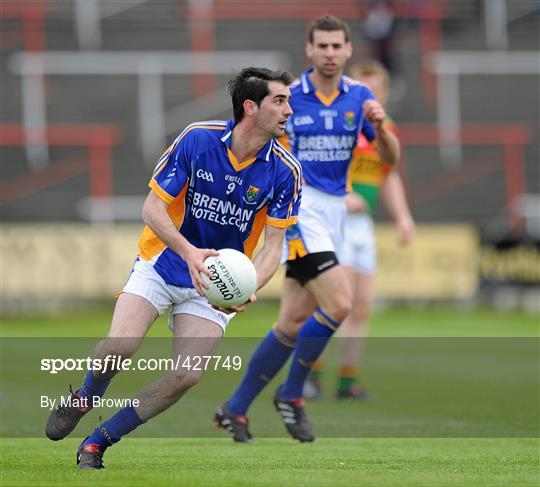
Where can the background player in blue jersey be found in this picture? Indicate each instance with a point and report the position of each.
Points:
(330, 110)
(218, 185)
(369, 177)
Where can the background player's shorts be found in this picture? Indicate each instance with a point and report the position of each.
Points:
(359, 249)
(320, 227)
(309, 267)
(144, 281)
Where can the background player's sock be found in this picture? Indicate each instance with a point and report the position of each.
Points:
(312, 339)
(93, 387)
(265, 363)
(112, 430)
(348, 377)
(316, 370)
(313, 386)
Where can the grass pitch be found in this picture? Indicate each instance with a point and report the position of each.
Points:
(280, 461)
(271, 462)
(430, 321)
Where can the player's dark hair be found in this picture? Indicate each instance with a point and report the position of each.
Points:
(252, 84)
(329, 23)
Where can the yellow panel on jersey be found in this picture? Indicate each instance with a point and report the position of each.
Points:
(238, 166)
(276, 222)
(160, 192)
(327, 100)
(258, 224)
(296, 249)
(150, 244)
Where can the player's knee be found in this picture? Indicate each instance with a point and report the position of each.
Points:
(338, 309)
(298, 320)
(291, 323)
(292, 316)
(290, 327)
(288, 339)
(181, 381)
(124, 347)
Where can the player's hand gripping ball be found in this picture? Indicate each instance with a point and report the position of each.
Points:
(233, 279)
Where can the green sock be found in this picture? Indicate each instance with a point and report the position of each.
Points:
(315, 375)
(345, 383)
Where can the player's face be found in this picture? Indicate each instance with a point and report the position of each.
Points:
(274, 110)
(377, 86)
(329, 52)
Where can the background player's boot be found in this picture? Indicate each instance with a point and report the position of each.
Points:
(90, 457)
(312, 389)
(355, 392)
(64, 418)
(235, 424)
(294, 417)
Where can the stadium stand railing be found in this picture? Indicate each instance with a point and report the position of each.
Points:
(98, 139)
(510, 137)
(428, 23)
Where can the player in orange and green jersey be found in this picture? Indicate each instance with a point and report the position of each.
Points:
(367, 172)
(369, 177)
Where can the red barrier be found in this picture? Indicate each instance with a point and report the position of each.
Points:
(511, 137)
(98, 138)
(32, 14)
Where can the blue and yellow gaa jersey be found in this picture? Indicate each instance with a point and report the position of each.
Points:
(216, 201)
(322, 131)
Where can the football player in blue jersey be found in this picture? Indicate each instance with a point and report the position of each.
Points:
(369, 177)
(330, 111)
(218, 185)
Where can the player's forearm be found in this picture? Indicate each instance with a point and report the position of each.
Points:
(267, 260)
(156, 217)
(387, 145)
(266, 264)
(393, 196)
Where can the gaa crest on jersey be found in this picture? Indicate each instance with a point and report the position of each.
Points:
(252, 193)
(349, 121)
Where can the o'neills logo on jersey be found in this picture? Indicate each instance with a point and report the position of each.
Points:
(325, 148)
(219, 211)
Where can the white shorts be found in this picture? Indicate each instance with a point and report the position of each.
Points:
(320, 227)
(359, 249)
(144, 281)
